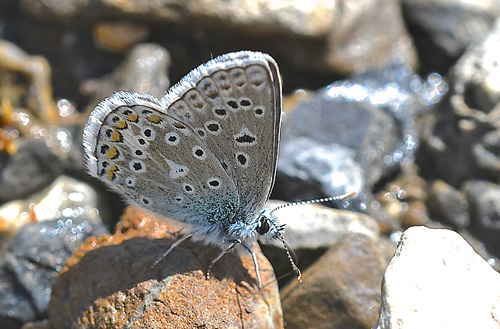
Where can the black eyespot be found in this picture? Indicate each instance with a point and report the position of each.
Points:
(127, 112)
(214, 183)
(263, 227)
(213, 127)
(147, 133)
(104, 149)
(137, 166)
(145, 201)
(199, 152)
(138, 152)
(188, 188)
(221, 112)
(141, 141)
(201, 132)
(241, 159)
(115, 119)
(247, 139)
(245, 102)
(259, 111)
(233, 104)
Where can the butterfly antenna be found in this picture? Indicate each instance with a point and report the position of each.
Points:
(287, 249)
(321, 200)
(279, 228)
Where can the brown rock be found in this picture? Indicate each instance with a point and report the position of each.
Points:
(119, 36)
(44, 324)
(110, 283)
(340, 290)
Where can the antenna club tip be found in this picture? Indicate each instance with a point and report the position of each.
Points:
(350, 194)
(299, 277)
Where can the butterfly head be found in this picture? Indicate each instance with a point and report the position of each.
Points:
(267, 227)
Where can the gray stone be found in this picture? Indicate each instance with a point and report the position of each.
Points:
(453, 25)
(36, 253)
(143, 70)
(484, 207)
(449, 204)
(369, 34)
(31, 168)
(366, 124)
(462, 139)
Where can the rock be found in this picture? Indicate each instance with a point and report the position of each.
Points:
(66, 198)
(37, 134)
(37, 69)
(402, 200)
(143, 70)
(316, 226)
(449, 204)
(369, 34)
(310, 230)
(119, 36)
(311, 20)
(366, 124)
(452, 25)
(484, 206)
(112, 278)
(32, 167)
(341, 289)
(44, 324)
(332, 167)
(32, 258)
(436, 280)
(462, 139)
(340, 38)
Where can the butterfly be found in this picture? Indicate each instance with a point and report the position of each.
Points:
(205, 154)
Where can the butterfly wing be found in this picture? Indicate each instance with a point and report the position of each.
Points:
(203, 154)
(235, 104)
(156, 161)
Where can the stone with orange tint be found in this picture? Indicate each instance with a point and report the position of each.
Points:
(110, 283)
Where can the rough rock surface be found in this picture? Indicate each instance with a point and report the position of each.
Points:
(111, 282)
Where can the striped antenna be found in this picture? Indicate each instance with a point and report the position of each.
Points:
(321, 200)
(278, 228)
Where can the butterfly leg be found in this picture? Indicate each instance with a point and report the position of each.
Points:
(231, 247)
(216, 259)
(172, 246)
(255, 264)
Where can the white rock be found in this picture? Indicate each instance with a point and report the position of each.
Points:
(316, 226)
(436, 280)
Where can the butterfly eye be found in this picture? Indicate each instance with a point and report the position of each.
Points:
(263, 227)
